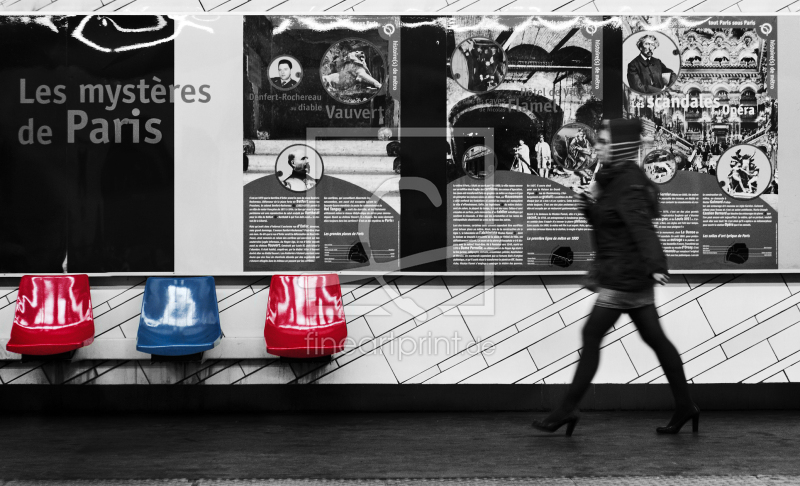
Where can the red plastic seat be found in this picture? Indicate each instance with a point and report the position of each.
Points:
(53, 315)
(305, 316)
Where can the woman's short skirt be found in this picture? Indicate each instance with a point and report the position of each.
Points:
(621, 299)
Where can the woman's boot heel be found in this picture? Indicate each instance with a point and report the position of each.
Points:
(679, 419)
(571, 426)
(552, 426)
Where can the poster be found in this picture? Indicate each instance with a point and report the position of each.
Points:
(120, 141)
(524, 103)
(86, 136)
(706, 91)
(321, 148)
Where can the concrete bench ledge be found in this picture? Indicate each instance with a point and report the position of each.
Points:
(125, 349)
(239, 348)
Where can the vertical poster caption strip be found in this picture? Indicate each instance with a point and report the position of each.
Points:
(706, 92)
(321, 143)
(524, 104)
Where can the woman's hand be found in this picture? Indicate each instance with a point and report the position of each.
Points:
(661, 278)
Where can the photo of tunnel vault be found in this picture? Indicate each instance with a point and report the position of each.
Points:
(550, 80)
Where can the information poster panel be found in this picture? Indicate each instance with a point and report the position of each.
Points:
(321, 150)
(524, 104)
(87, 142)
(706, 91)
(120, 141)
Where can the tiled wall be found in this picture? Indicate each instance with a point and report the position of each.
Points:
(728, 329)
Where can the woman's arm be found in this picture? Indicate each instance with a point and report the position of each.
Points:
(634, 209)
(586, 205)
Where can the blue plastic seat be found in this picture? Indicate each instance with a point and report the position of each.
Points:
(179, 316)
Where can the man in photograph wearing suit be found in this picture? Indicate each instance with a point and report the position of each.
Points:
(646, 73)
(284, 79)
(470, 52)
(300, 179)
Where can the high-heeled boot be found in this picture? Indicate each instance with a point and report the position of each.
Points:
(547, 425)
(680, 418)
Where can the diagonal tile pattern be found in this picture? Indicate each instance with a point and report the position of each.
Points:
(455, 330)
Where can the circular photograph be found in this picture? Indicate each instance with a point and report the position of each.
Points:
(285, 73)
(660, 165)
(299, 168)
(744, 172)
(652, 62)
(352, 71)
(479, 161)
(573, 148)
(478, 64)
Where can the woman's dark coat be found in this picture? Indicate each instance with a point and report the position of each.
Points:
(628, 248)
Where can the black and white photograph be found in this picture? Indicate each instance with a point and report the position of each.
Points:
(651, 61)
(478, 64)
(353, 71)
(574, 155)
(479, 162)
(722, 96)
(548, 83)
(285, 72)
(299, 168)
(744, 172)
(661, 165)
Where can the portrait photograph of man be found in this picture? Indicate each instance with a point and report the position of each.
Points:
(285, 72)
(651, 61)
(299, 167)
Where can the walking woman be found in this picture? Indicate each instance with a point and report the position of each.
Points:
(629, 261)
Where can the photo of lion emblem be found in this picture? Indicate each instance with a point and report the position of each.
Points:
(352, 71)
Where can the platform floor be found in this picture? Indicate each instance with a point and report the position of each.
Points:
(582, 481)
(396, 449)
